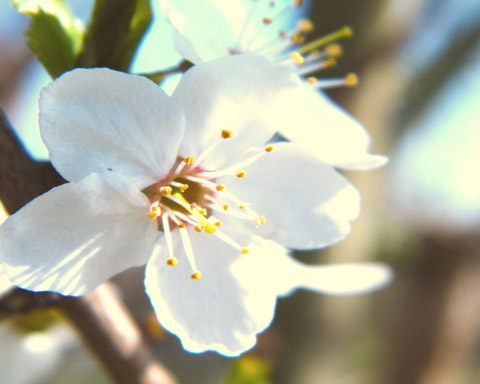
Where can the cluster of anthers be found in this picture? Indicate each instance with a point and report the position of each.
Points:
(290, 45)
(189, 196)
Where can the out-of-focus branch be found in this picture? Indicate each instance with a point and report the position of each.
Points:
(104, 323)
(113, 336)
(21, 178)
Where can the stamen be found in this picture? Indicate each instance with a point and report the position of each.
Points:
(340, 34)
(196, 276)
(241, 174)
(334, 50)
(227, 239)
(330, 62)
(349, 80)
(261, 220)
(187, 247)
(226, 134)
(267, 20)
(269, 148)
(182, 187)
(155, 211)
(172, 260)
(166, 190)
(198, 227)
(305, 26)
(297, 58)
(188, 160)
(220, 187)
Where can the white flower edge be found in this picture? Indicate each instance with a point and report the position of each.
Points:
(198, 312)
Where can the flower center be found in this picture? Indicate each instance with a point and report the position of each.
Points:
(189, 197)
(289, 45)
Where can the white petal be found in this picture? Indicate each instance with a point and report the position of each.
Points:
(309, 117)
(93, 120)
(343, 279)
(5, 283)
(244, 103)
(284, 274)
(201, 31)
(305, 202)
(223, 311)
(76, 236)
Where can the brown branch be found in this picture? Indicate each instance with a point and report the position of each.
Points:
(21, 178)
(100, 317)
(111, 333)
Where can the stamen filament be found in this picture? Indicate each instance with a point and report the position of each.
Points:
(340, 34)
(234, 168)
(172, 260)
(187, 247)
(227, 239)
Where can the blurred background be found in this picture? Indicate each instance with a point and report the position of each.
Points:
(419, 97)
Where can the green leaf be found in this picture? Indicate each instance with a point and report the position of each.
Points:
(115, 30)
(54, 35)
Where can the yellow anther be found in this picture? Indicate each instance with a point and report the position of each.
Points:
(269, 148)
(242, 206)
(210, 228)
(261, 220)
(267, 20)
(218, 223)
(305, 26)
(351, 80)
(347, 31)
(166, 190)
(297, 39)
(297, 58)
(226, 134)
(334, 50)
(198, 227)
(220, 187)
(297, 3)
(155, 212)
(241, 174)
(181, 226)
(245, 251)
(225, 207)
(183, 187)
(202, 211)
(196, 276)
(172, 261)
(188, 160)
(312, 80)
(330, 62)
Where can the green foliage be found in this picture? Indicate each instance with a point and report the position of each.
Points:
(61, 43)
(54, 35)
(249, 369)
(114, 32)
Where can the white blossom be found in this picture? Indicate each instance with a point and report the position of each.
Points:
(188, 185)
